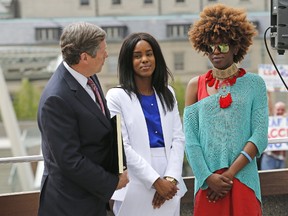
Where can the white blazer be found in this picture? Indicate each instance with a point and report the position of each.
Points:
(137, 148)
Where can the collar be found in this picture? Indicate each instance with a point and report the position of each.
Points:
(82, 80)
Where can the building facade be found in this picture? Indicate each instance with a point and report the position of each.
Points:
(41, 22)
(96, 8)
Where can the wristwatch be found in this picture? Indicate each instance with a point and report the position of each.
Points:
(171, 179)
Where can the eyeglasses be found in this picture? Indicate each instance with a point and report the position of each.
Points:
(223, 48)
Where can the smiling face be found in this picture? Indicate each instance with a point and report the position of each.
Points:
(143, 60)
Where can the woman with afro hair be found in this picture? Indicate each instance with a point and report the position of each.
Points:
(226, 117)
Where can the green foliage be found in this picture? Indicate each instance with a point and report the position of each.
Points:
(179, 89)
(26, 101)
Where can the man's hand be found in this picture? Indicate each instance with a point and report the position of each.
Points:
(123, 180)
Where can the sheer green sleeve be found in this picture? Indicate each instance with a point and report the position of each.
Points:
(193, 148)
(259, 117)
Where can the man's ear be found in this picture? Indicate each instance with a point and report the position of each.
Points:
(83, 56)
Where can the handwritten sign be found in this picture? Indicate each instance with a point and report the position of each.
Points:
(271, 77)
(278, 128)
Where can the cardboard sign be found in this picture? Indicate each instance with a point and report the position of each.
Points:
(271, 77)
(278, 128)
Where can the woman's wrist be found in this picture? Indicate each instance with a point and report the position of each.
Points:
(246, 155)
(171, 179)
(229, 173)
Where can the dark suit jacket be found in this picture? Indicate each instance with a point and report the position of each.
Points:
(76, 145)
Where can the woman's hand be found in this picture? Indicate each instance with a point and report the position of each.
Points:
(165, 188)
(219, 186)
(158, 200)
(212, 196)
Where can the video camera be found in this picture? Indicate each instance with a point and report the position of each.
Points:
(279, 25)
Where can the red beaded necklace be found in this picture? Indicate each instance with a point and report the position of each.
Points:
(223, 86)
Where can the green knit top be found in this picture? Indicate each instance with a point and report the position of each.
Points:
(216, 136)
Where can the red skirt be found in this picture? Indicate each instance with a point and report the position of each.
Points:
(240, 201)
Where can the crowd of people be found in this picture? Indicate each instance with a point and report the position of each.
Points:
(225, 125)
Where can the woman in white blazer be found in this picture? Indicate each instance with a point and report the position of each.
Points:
(151, 129)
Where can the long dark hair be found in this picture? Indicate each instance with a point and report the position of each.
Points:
(160, 76)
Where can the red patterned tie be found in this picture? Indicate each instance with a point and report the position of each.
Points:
(97, 94)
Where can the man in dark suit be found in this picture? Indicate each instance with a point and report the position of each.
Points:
(76, 130)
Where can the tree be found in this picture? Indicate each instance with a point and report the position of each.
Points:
(179, 88)
(26, 101)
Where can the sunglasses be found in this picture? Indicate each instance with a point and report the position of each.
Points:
(223, 48)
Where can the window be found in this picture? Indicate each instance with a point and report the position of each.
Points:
(84, 2)
(116, 2)
(50, 34)
(179, 61)
(148, 1)
(180, 1)
(115, 33)
(178, 31)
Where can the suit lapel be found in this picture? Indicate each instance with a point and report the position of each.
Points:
(84, 97)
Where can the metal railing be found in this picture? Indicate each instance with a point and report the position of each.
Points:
(21, 159)
(40, 166)
(35, 158)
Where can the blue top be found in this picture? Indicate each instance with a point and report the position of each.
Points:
(215, 137)
(153, 120)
